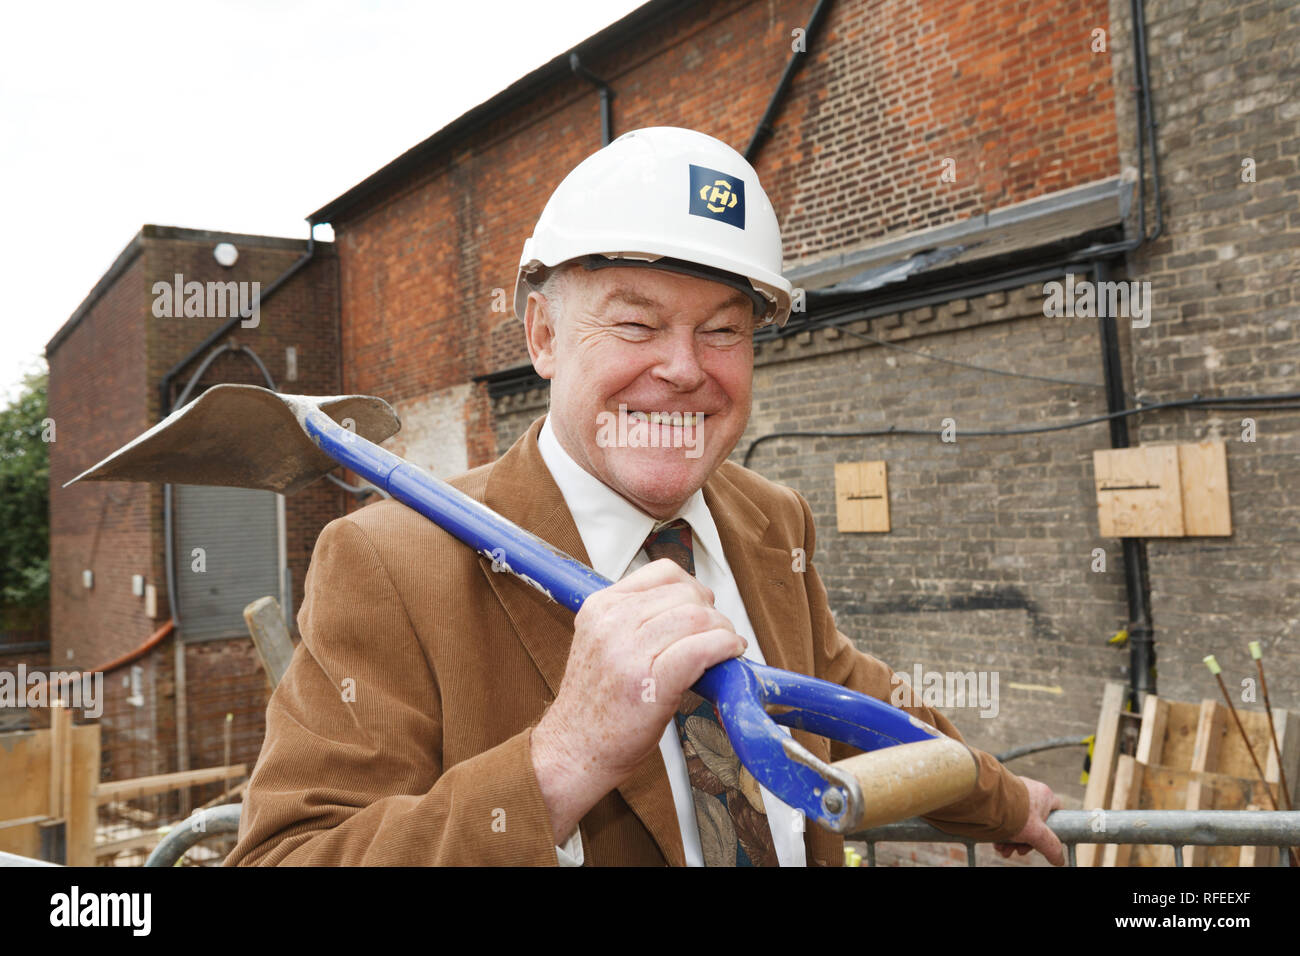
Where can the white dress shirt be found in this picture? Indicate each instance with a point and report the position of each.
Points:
(613, 531)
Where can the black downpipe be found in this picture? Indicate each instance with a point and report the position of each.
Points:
(1141, 635)
(765, 128)
(1142, 76)
(606, 95)
(165, 386)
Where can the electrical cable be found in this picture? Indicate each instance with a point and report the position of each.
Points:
(1195, 401)
(978, 368)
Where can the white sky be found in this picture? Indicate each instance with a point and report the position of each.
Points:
(236, 115)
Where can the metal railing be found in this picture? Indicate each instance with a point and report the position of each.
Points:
(1175, 828)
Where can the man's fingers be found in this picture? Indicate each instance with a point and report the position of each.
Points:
(653, 575)
(676, 622)
(681, 663)
(1049, 845)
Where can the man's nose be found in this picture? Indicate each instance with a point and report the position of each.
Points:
(679, 361)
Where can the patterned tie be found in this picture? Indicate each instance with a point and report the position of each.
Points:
(728, 804)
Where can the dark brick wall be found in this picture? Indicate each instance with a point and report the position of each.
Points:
(1226, 84)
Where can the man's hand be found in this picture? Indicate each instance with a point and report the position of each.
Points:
(637, 645)
(1035, 834)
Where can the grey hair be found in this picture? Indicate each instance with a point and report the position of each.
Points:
(556, 286)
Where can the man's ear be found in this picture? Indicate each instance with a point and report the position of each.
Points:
(540, 330)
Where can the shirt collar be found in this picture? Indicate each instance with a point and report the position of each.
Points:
(612, 528)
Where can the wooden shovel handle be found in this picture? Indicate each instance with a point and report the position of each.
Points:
(910, 779)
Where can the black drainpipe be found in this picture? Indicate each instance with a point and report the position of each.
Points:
(606, 94)
(764, 128)
(165, 386)
(1137, 586)
(1141, 637)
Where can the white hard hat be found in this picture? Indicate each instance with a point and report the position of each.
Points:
(667, 198)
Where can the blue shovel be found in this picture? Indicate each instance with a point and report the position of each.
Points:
(250, 437)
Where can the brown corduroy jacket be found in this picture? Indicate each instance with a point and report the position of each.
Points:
(400, 733)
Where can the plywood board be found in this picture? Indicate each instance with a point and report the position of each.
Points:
(24, 789)
(861, 496)
(1182, 721)
(1203, 474)
(1139, 492)
(1165, 788)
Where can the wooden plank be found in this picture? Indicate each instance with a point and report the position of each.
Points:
(60, 758)
(1182, 721)
(24, 789)
(82, 810)
(1209, 735)
(24, 821)
(1203, 474)
(265, 620)
(163, 782)
(1234, 758)
(1139, 492)
(1128, 782)
(1105, 748)
(145, 841)
(1128, 786)
(1287, 724)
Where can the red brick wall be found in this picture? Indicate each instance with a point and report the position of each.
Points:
(1011, 92)
(302, 314)
(103, 392)
(99, 400)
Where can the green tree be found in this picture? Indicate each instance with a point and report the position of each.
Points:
(25, 496)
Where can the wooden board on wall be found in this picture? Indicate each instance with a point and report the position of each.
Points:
(861, 496)
(1203, 472)
(1139, 492)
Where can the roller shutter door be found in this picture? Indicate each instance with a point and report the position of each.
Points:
(237, 531)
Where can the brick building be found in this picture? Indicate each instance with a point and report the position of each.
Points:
(131, 346)
(933, 165)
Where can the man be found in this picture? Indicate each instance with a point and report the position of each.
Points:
(439, 711)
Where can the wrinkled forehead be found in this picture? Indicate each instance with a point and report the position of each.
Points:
(658, 291)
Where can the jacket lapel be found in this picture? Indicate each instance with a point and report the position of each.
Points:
(520, 488)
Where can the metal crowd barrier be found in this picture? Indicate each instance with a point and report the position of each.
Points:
(1175, 828)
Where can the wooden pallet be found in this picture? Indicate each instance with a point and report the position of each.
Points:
(1189, 757)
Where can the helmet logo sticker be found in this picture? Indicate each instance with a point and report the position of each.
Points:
(716, 195)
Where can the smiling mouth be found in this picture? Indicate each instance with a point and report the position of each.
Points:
(675, 419)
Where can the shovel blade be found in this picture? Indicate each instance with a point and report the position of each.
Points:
(242, 436)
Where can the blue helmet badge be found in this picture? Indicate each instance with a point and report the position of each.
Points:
(716, 195)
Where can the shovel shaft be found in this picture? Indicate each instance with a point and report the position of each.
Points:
(751, 699)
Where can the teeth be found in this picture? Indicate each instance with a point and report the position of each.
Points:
(685, 419)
